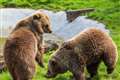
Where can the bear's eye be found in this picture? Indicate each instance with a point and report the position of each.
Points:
(46, 26)
(53, 63)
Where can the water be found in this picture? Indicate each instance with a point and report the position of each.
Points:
(60, 26)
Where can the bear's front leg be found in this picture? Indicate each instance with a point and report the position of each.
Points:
(79, 75)
(76, 66)
(40, 52)
(39, 57)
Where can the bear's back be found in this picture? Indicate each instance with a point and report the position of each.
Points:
(21, 42)
(91, 42)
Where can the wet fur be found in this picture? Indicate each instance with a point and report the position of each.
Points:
(23, 46)
(86, 49)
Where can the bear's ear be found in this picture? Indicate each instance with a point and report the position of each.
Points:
(36, 16)
(47, 17)
(67, 45)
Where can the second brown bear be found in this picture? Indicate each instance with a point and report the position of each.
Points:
(87, 49)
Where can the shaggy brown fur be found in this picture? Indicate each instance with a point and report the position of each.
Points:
(24, 44)
(87, 49)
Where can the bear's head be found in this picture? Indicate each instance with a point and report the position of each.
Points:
(59, 62)
(41, 22)
(54, 68)
(38, 22)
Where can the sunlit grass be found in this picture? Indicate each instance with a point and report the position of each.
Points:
(40, 72)
(2, 41)
(107, 12)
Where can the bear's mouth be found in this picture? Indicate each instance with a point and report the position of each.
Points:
(47, 31)
(50, 74)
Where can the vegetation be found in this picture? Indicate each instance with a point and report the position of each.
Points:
(107, 12)
(2, 41)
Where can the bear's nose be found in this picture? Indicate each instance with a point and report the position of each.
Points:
(49, 31)
(47, 74)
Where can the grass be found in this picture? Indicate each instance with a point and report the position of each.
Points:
(2, 41)
(107, 12)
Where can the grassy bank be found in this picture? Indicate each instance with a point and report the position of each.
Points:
(107, 12)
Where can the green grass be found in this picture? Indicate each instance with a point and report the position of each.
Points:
(40, 72)
(107, 12)
(2, 41)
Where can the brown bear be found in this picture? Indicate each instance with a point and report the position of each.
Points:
(24, 46)
(87, 49)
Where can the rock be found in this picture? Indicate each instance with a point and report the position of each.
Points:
(72, 15)
(52, 42)
(50, 45)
